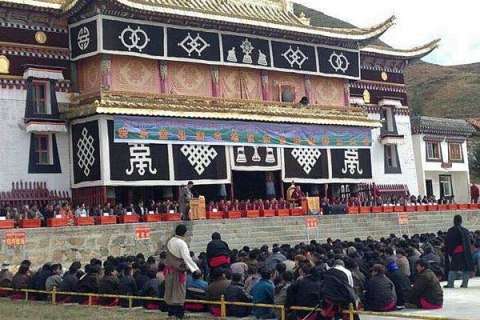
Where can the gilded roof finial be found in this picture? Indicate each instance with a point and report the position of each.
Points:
(303, 19)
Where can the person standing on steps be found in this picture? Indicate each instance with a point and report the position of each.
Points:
(184, 200)
(458, 260)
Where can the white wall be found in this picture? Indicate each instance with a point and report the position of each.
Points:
(432, 170)
(15, 144)
(405, 153)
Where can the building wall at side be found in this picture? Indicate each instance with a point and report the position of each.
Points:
(430, 170)
(408, 176)
(15, 145)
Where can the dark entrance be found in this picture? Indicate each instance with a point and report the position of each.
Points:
(429, 186)
(251, 184)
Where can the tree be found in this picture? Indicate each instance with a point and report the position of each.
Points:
(475, 160)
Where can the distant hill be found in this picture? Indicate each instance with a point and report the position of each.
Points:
(433, 90)
(444, 91)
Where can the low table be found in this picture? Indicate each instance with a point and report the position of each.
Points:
(7, 224)
(152, 218)
(57, 222)
(30, 223)
(106, 220)
(129, 218)
(84, 221)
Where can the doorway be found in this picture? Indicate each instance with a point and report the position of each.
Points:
(252, 184)
(429, 187)
(446, 189)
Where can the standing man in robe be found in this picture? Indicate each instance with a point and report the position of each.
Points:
(184, 200)
(178, 261)
(459, 258)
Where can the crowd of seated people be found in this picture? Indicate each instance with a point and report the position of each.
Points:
(378, 275)
(63, 210)
(254, 204)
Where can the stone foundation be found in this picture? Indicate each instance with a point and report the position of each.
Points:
(83, 243)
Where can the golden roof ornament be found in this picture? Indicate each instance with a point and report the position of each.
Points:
(4, 65)
(366, 96)
(41, 37)
(303, 19)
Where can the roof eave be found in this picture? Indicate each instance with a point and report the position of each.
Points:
(407, 54)
(353, 34)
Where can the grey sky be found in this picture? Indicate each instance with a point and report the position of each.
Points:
(418, 22)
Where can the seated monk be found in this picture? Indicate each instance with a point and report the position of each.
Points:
(257, 204)
(249, 205)
(211, 206)
(297, 196)
(242, 206)
(274, 204)
(221, 205)
(282, 204)
(236, 205)
(267, 205)
(426, 292)
(228, 206)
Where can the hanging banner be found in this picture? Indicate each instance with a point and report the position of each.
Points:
(178, 43)
(86, 152)
(351, 163)
(256, 158)
(137, 161)
(142, 233)
(202, 163)
(304, 165)
(241, 133)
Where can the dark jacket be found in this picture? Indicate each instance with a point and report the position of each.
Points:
(20, 281)
(87, 284)
(235, 292)
(272, 261)
(216, 248)
(426, 286)
(140, 279)
(336, 289)
(306, 292)
(380, 292)
(69, 283)
(108, 285)
(402, 286)
(152, 288)
(458, 238)
(127, 287)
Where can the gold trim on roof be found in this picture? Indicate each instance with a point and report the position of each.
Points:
(211, 108)
(416, 52)
(274, 14)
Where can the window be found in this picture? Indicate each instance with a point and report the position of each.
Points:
(40, 97)
(388, 120)
(392, 164)
(43, 149)
(455, 152)
(433, 151)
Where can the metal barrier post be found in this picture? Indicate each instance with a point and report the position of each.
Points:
(351, 312)
(89, 300)
(54, 295)
(223, 309)
(130, 303)
(26, 295)
(282, 313)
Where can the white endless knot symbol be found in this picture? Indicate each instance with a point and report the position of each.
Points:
(352, 162)
(85, 152)
(295, 57)
(83, 38)
(306, 157)
(140, 159)
(199, 156)
(191, 44)
(339, 62)
(134, 39)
